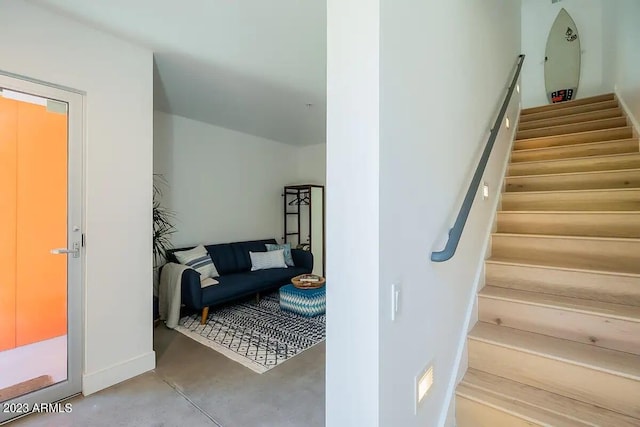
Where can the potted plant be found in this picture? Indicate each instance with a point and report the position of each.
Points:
(163, 228)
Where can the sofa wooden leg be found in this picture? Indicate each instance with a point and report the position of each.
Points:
(205, 315)
(257, 297)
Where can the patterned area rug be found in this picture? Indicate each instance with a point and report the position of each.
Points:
(259, 336)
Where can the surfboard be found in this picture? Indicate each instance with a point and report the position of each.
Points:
(562, 59)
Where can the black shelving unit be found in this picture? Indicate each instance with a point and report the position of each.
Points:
(297, 202)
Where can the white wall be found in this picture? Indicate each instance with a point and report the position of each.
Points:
(311, 163)
(224, 186)
(622, 56)
(435, 119)
(537, 18)
(117, 79)
(436, 104)
(352, 349)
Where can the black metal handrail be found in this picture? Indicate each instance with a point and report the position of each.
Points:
(456, 232)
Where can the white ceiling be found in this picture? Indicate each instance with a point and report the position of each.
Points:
(248, 65)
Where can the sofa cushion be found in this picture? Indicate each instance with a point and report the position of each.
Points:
(232, 286)
(242, 249)
(223, 257)
(277, 276)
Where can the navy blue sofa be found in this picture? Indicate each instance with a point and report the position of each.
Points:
(236, 278)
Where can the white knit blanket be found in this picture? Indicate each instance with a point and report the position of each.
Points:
(169, 298)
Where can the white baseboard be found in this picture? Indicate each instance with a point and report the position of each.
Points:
(115, 374)
(625, 108)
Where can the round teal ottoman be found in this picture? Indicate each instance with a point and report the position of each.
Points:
(306, 302)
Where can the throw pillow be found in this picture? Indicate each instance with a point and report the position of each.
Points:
(269, 259)
(198, 258)
(286, 247)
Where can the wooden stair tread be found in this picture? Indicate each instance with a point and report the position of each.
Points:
(577, 191)
(614, 362)
(575, 109)
(477, 385)
(557, 342)
(571, 212)
(579, 159)
(603, 179)
(568, 128)
(571, 118)
(558, 264)
(569, 104)
(574, 135)
(586, 149)
(610, 223)
(574, 173)
(591, 252)
(531, 150)
(524, 414)
(594, 199)
(554, 236)
(598, 308)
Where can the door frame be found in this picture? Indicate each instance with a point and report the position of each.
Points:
(75, 231)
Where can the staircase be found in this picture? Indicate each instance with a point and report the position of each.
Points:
(558, 337)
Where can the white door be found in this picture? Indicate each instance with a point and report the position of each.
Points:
(41, 256)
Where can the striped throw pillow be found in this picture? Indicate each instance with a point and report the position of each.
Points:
(198, 258)
(265, 260)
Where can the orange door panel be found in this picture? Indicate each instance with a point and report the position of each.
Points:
(8, 158)
(41, 295)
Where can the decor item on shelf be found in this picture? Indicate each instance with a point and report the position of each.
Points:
(304, 221)
(259, 336)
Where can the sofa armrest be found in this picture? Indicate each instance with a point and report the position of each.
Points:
(302, 259)
(191, 289)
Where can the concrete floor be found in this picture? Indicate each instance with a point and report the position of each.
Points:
(196, 386)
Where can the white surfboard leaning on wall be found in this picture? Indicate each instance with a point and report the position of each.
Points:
(562, 59)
